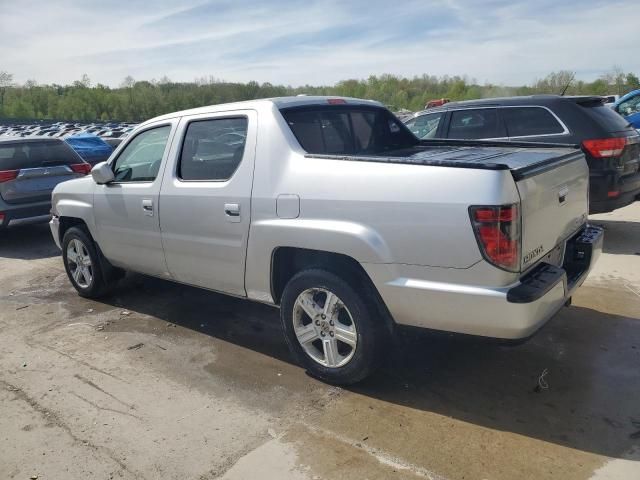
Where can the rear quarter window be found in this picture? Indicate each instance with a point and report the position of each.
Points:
(530, 121)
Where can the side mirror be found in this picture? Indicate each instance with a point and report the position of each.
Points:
(102, 173)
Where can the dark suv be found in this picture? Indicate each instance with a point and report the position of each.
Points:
(611, 145)
(29, 169)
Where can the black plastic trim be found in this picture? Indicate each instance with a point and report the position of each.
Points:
(537, 283)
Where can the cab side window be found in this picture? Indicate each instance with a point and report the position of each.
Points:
(141, 158)
(213, 149)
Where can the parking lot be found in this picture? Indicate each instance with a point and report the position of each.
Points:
(167, 381)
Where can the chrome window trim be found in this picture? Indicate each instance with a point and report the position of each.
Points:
(565, 130)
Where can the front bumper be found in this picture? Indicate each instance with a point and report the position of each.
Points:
(512, 312)
(54, 224)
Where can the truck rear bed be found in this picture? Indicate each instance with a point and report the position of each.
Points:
(523, 159)
(552, 182)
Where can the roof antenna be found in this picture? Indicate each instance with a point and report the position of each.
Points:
(564, 90)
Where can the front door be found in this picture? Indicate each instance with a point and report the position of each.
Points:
(126, 210)
(205, 200)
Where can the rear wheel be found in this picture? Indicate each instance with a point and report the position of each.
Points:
(82, 263)
(330, 327)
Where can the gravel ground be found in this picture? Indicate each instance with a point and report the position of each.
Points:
(162, 381)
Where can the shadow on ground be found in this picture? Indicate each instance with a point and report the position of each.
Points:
(620, 237)
(591, 358)
(28, 242)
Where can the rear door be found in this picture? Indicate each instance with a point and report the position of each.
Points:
(126, 210)
(30, 170)
(205, 201)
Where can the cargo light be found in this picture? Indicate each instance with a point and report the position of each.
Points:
(6, 175)
(82, 168)
(605, 147)
(497, 230)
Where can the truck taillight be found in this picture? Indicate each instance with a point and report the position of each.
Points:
(605, 147)
(83, 168)
(6, 175)
(497, 229)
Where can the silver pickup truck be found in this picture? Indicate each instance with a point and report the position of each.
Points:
(332, 210)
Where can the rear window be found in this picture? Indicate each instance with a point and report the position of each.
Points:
(605, 117)
(530, 121)
(347, 130)
(14, 156)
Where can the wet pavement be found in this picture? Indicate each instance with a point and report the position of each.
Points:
(167, 381)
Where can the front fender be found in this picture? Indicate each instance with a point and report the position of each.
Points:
(74, 199)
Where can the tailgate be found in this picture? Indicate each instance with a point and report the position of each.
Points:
(35, 184)
(554, 205)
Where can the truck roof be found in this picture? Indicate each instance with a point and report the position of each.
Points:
(279, 102)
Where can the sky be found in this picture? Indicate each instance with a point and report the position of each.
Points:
(299, 42)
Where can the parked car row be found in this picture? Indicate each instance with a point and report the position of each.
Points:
(66, 129)
(610, 143)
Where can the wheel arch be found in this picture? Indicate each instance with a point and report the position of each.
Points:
(286, 262)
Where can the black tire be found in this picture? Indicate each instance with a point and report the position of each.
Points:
(98, 286)
(370, 331)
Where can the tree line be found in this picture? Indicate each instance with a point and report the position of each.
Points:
(139, 100)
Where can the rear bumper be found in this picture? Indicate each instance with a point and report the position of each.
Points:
(511, 312)
(23, 214)
(601, 185)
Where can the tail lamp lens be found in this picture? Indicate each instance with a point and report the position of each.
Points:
(497, 229)
(82, 168)
(605, 147)
(6, 175)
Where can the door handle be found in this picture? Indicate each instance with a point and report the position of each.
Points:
(232, 211)
(147, 207)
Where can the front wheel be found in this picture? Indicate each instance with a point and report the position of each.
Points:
(82, 264)
(330, 327)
